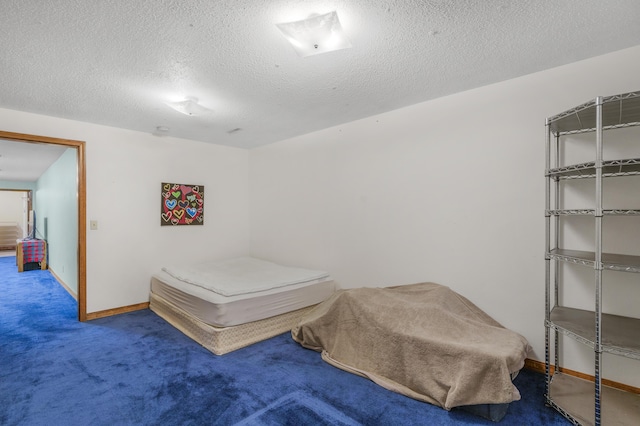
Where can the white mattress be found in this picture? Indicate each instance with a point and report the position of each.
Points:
(224, 311)
(242, 275)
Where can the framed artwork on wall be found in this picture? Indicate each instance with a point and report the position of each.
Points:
(181, 204)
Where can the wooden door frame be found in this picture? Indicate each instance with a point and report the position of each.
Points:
(82, 206)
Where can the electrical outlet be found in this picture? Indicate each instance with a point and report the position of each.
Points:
(93, 225)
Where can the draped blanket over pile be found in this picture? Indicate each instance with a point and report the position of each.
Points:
(422, 340)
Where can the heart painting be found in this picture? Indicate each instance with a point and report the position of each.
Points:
(181, 204)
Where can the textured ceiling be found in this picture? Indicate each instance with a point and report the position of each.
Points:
(117, 62)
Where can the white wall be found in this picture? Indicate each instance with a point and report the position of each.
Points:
(12, 208)
(24, 187)
(9, 184)
(449, 191)
(124, 172)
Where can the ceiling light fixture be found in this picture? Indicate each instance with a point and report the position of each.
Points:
(189, 106)
(315, 35)
(161, 131)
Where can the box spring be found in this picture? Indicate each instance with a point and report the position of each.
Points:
(222, 340)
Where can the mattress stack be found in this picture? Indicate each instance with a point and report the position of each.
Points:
(226, 305)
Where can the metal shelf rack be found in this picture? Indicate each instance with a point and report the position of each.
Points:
(581, 401)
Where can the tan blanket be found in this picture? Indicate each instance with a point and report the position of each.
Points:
(422, 340)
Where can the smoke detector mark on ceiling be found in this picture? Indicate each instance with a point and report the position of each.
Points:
(161, 131)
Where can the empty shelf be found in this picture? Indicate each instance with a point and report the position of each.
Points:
(617, 111)
(615, 262)
(574, 396)
(591, 212)
(610, 168)
(620, 335)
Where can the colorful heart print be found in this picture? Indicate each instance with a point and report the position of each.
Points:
(182, 204)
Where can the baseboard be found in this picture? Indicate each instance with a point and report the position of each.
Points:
(105, 313)
(116, 311)
(62, 283)
(539, 366)
(533, 365)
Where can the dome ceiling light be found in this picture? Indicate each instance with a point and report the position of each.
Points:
(189, 106)
(316, 34)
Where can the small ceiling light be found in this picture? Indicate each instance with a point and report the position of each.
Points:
(317, 34)
(189, 106)
(161, 131)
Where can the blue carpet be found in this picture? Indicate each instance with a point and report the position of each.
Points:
(135, 369)
(298, 408)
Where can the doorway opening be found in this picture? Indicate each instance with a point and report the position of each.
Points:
(79, 146)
